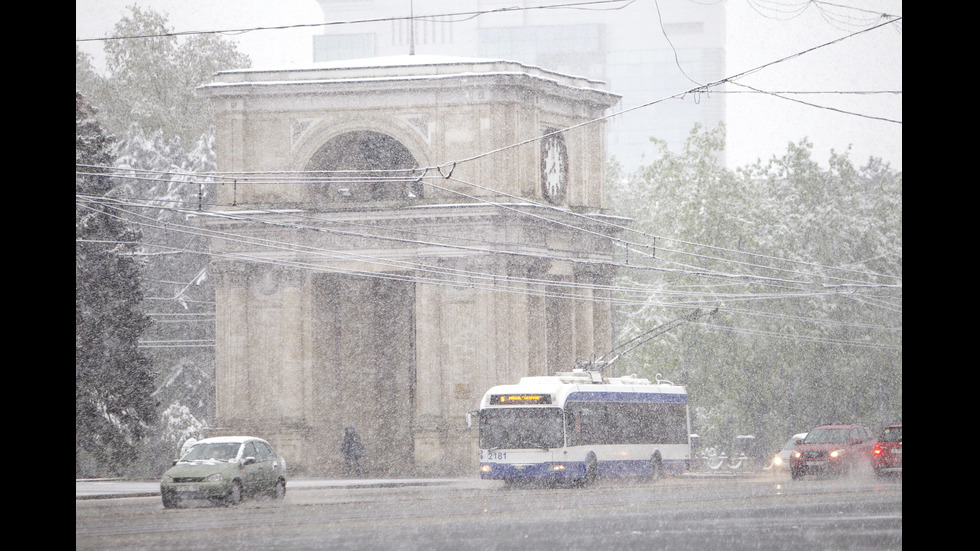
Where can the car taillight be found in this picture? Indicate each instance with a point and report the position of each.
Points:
(877, 450)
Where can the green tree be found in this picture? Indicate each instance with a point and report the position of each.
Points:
(113, 379)
(794, 273)
(152, 76)
(842, 226)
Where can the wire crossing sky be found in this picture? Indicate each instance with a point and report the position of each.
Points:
(847, 97)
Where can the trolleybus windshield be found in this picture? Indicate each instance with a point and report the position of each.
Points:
(521, 428)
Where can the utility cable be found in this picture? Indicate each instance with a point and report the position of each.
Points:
(467, 14)
(644, 248)
(592, 220)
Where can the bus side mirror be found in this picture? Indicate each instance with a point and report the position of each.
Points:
(469, 420)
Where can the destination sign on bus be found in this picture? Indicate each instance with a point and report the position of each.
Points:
(519, 399)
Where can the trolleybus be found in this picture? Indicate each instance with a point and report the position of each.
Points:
(577, 426)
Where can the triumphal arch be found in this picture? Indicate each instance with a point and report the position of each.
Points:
(393, 237)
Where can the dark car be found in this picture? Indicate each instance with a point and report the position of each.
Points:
(832, 449)
(886, 457)
(225, 469)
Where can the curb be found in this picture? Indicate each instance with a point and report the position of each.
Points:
(301, 484)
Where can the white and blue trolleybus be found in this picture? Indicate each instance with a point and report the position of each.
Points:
(577, 426)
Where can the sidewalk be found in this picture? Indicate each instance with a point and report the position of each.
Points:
(115, 488)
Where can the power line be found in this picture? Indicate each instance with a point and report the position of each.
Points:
(466, 14)
(445, 169)
(810, 104)
(484, 250)
(603, 221)
(469, 279)
(522, 290)
(307, 177)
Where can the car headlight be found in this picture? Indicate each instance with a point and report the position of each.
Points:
(777, 460)
(216, 477)
(836, 453)
(167, 478)
(797, 455)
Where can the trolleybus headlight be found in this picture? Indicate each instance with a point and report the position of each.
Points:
(484, 468)
(558, 467)
(777, 461)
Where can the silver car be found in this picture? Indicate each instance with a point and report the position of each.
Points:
(780, 461)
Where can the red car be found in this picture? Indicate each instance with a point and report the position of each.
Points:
(886, 457)
(832, 449)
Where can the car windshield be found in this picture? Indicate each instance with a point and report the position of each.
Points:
(221, 451)
(827, 436)
(521, 428)
(891, 434)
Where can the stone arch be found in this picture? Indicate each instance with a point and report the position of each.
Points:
(366, 163)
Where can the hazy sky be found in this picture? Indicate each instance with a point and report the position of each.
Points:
(759, 32)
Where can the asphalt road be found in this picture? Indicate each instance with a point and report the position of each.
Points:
(703, 513)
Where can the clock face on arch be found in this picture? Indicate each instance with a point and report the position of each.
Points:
(554, 167)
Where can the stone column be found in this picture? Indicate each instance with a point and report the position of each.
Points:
(231, 372)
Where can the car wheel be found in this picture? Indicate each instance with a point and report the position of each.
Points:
(234, 494)
(795, 474)
(279, 490)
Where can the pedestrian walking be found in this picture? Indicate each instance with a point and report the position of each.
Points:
(353, 451)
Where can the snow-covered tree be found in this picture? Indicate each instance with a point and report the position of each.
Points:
(113, 378)
(160, 160)
(170, 185)
(152, 76)
(788, 275)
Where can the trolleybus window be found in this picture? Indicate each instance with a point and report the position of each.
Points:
(625, 423)
(521, 428)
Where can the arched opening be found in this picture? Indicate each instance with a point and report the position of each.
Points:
(364, 166)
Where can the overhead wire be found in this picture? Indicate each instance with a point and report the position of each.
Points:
(469, 14)
(619, 241)
(524, 290)
(471, 279)
(496, 277)
(797, 337)
(606, 221)
(811, 104)
(349, 256)
(603, 221)
(450, 166)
